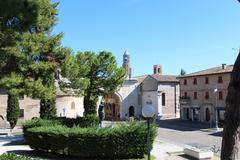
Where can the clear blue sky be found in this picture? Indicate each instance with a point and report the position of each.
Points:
(188, 34)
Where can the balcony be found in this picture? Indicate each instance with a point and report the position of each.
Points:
(185, 100)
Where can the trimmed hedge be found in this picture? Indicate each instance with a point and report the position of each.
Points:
(123, 141)
(12, 156)
(88, 121)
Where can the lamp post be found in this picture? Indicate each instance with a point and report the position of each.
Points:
(216, 114)
(148, 112)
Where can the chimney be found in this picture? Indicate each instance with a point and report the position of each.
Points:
(224, 66)
(157, 69)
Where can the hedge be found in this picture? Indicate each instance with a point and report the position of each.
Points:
(12, 156)
(88, 121)
(123, 141)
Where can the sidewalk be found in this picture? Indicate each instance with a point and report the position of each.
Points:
(164, 151)
(161, 150)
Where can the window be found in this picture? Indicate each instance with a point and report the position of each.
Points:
(185, 82)
(21, 113)
(163, 99)
(21, 96)
(206, 80)
(220, 95)
(185, 94)
(73, 105)
(207, 95)
(220, 80)
(195, 95)
(195, 81)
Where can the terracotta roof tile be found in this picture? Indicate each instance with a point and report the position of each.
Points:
(165, 78)
(215, 70)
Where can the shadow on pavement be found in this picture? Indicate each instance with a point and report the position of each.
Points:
(182, 125)
(218, 134)
(40, 155)
(37, 155)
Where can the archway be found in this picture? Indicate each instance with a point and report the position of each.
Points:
(207, 113)
(131, 111)
(112, 107)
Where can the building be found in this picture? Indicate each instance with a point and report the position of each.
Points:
(203, 94)
(161, 91)
(66, 105)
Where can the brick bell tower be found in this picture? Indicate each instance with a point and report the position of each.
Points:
(126, 64)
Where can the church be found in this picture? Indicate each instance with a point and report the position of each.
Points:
(160, 91)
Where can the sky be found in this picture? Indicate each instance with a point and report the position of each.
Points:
(188, 34)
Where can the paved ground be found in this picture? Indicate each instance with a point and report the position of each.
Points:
(173, 137)
(185, 133)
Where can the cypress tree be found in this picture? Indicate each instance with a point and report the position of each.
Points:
(13, 110)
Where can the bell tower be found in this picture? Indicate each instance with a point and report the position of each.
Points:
(126, 64)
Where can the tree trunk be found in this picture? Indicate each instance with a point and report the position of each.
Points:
(231, 131)
(90, 104)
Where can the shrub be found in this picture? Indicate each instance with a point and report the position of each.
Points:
(123, 141)
(88, 121)
(12, 156)
(13, 110)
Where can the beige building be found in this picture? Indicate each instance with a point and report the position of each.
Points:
(203, 94)
(161, 91)
(67, 106)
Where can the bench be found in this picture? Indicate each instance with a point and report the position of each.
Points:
(198, 153)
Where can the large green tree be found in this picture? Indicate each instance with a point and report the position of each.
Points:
(28, 50)
(98, 72)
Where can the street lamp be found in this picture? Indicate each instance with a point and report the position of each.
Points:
(148, 113)
(216, 115)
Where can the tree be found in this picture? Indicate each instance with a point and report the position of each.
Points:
(13, 110)
(231, 132)
(100, 75)
(28, 50)
(183, 72)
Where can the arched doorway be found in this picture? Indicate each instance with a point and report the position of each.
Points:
(131, 111)
(187, 114)
(207, 113)
(112, 107)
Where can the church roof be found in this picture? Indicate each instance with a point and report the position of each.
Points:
(165, 78)
(210, 71)
(159, 78)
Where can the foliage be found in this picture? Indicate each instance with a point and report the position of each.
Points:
(13, 110)
(47, 109)
(123, 141)
(183, 72)
(75, 83)
(11, 156)
(29, 53)
(87, 121)
(100, 72)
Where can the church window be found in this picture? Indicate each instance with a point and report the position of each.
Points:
(163, 99)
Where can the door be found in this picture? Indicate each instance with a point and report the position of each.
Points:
(131, 111)
(207, 115)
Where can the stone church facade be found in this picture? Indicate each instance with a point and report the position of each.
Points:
(161, 91)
